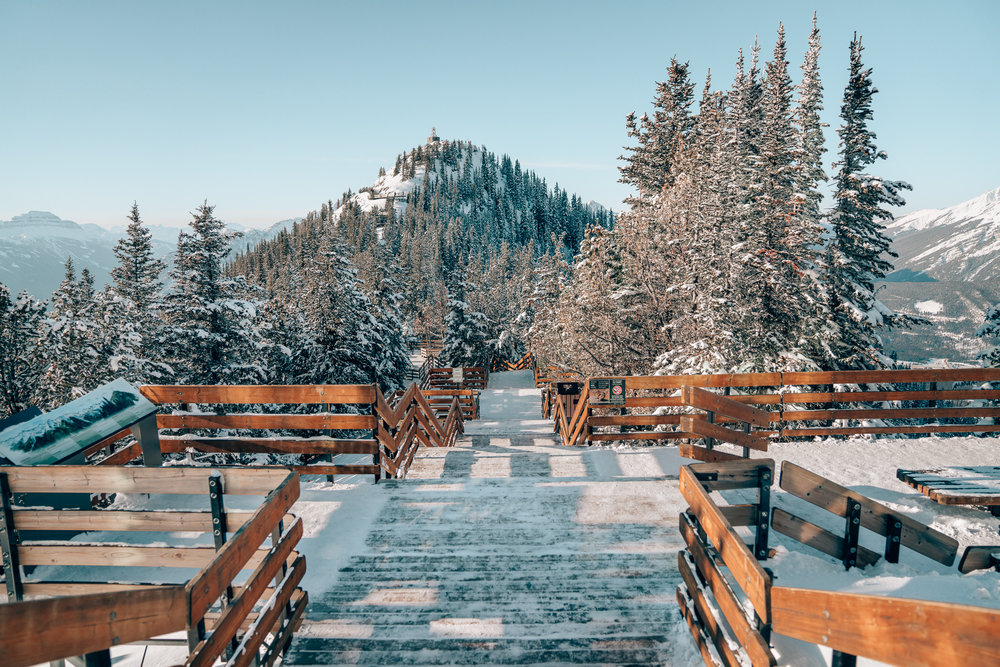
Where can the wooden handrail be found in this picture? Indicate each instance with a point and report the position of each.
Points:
(797, 405)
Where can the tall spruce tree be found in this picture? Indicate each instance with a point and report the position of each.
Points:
(212, 334)
(856, 253)
(137, 275)
(648, 166)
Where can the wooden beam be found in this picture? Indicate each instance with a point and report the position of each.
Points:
(741, 474)
(974, 558)
(729, 604)
(122, 520)
(817, 537)
(889, 629)
(268, 445)
(689, 451)
(265, 421)
(709, 430)
(107, 479)
(703, 621)
(312, 394)
(712, 402)
(45, 630)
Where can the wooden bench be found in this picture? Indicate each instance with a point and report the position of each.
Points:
(959, 485)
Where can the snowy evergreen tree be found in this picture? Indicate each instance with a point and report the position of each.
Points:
(74, 359)
(212, 333)
(856, 253)
(991, 332)
(466, 333)
(137, 275)
(130, 311)
(339, 324)
(22, 322)
(648, 166)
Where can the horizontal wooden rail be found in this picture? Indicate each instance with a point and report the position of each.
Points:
(184, 431)
(893, 630)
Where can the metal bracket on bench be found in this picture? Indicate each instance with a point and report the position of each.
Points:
(763, 512)
(850, 556)
(8, 544)
(893, 532)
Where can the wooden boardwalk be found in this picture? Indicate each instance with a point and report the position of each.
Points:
(511, 549)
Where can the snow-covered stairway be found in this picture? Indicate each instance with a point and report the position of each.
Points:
(511, 549)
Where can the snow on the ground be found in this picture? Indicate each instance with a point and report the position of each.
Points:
(928, 307)
(512, 405)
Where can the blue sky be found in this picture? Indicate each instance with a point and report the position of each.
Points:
(267, 109)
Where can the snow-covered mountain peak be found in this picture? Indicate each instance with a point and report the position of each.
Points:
(985, 207)
(957, 243)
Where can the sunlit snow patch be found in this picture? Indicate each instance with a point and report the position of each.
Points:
(928, 307)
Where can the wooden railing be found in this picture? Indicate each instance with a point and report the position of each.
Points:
(218, 616)
(440, 401)
(434, 424)
(805, 405)
(357, 400)
(723, 577)
(473, 377)
(526, 362)
(545, 377)
(409, 422)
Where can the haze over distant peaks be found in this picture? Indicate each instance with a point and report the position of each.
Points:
(34, 247)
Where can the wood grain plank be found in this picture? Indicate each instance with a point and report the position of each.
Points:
(107, 479)
(702, 399)
(704, 618)
(817, 537)
(266, 421)
(68, 626)
(310, 394)
(725, 597)
(690, 451)
(709, 430)
(979, 558)
(741, 474)
(268, 445)
(892, 630)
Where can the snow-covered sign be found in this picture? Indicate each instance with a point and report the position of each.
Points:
(457, 375)
(63, 433)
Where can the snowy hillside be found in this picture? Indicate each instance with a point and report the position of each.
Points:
(34, 247)
(955, 310)
(957, 243)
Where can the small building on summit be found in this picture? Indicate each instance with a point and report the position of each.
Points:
(434, 137)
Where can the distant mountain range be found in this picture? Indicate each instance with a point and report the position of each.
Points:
(947, 272)
(34, 247)
(957, 243)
